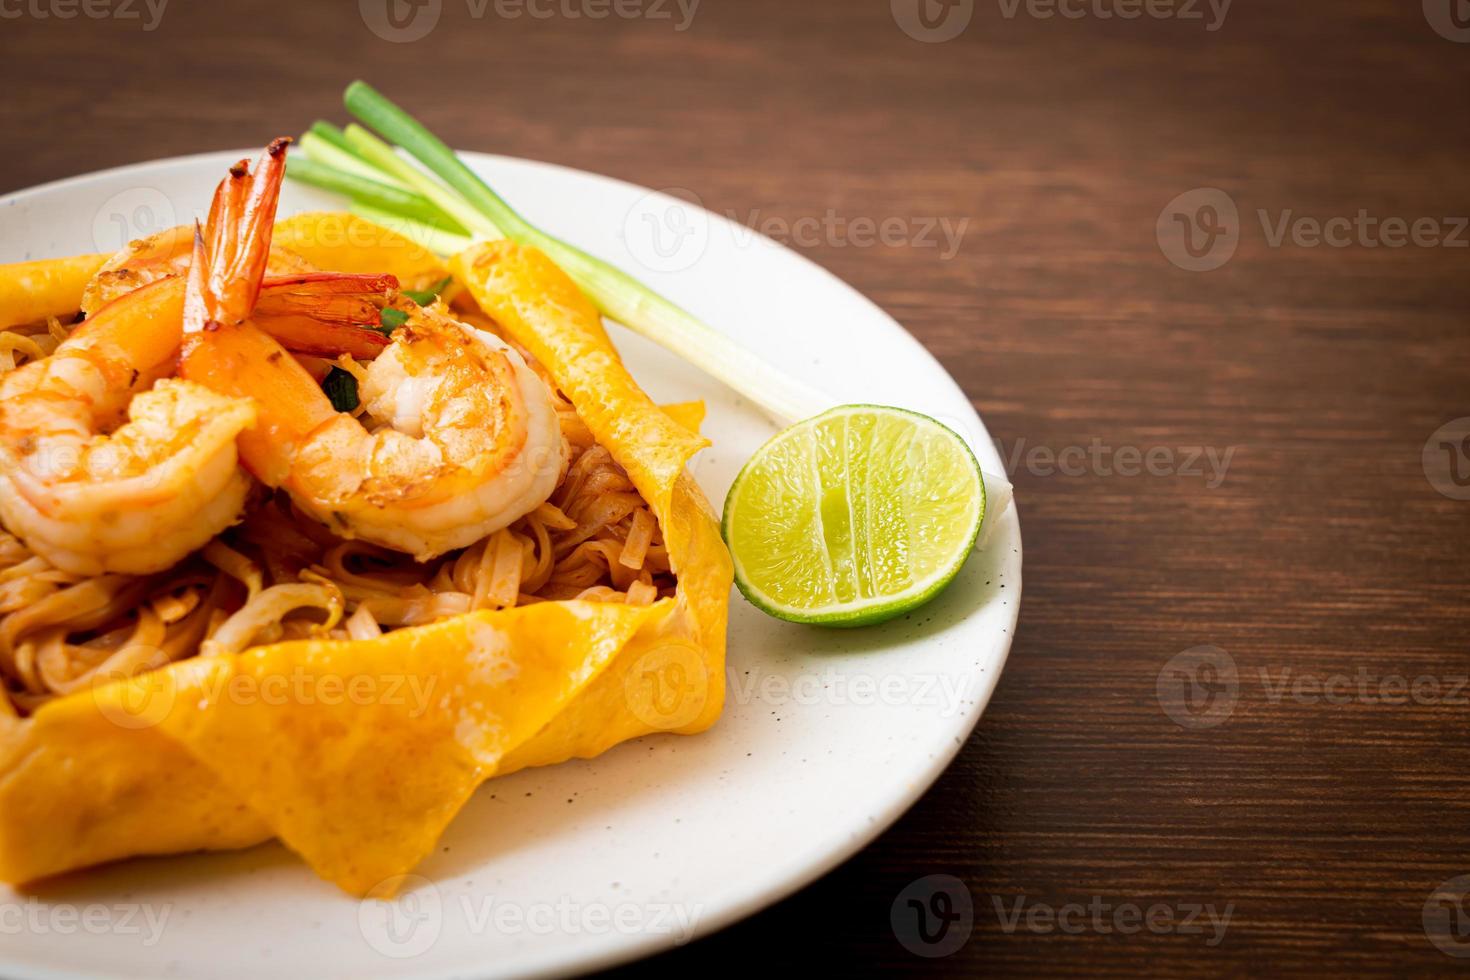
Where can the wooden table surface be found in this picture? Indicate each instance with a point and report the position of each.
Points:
(1276, 410)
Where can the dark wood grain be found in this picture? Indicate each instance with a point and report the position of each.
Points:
(1325, 550)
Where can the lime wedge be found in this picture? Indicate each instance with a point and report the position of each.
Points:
(853, 517)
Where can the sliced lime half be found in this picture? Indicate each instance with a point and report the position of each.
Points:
(854, 517)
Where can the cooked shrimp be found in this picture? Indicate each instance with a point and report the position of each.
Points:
(101, 468)
(468, 440)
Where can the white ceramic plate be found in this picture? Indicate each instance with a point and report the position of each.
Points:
(826, 739)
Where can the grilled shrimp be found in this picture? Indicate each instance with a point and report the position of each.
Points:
(466, 439)
(106, 464)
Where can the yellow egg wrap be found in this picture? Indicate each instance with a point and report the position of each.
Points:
(357, 754)
(32, 291)
(341, 242)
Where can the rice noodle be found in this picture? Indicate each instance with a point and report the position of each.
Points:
(235, 565)
(362, 626)
(24, 343)
(271, 607)
(640, 536)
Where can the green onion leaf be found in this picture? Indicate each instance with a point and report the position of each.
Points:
(378, 112)
(330, 133)
(381, 155)
(385, 197)
(424, 297)
(392, 319)
(436, 240)
(329, 154)
(341, 389)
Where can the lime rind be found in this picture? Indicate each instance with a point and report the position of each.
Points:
(860, 610)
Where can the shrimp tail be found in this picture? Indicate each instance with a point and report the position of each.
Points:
(230, 255)
(326, 313)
